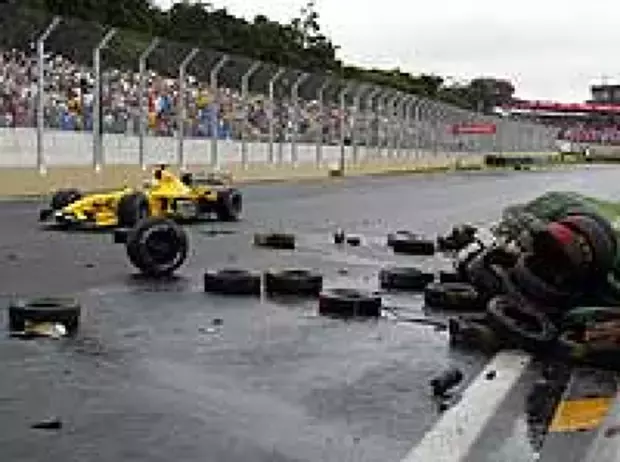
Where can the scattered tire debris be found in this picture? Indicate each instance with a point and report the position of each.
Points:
(339, 237)
(53, 310)
(411, 244)
(354, 241)
(53, 423)
(157, 247)
(300, 282)
(280, 241)
(445, 381)
(457, 296)
(349, 303)
(450, 276)
(473, 334)
(232, 282)
(404, 278)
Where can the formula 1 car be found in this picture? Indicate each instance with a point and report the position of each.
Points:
(185, 198)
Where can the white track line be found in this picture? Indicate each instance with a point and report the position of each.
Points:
(452, 438)
(606, 446)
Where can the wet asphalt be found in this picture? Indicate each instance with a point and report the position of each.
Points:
(164, 372)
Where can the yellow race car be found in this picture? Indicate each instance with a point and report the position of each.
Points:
(185, 198)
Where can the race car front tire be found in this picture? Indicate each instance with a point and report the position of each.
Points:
(64, 197)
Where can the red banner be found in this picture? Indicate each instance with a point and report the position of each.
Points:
(474, 129)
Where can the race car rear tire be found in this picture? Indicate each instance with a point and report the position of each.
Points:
(299, 282)
(405, 279)
(349, 303)
(65, 311)
(229, 205)
(64, 197)
(157, 246)
(232, 282)
(131, 209)
(452, 296)
(520, 324)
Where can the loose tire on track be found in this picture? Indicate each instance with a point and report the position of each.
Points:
(65, 311)
(412, 244)
(157, 247)
(521, 325)
(457, 296)
(299, 282)
(349, 303)
(281, 241)
(404, 278)
(232, 282)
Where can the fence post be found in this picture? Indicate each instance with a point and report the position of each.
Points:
(295, 100)
(390, 141)
(320, 96)
(354, 122)
(381, 107)
(370, 113)
(143, 104)
(403, 139)
(98, 159)
(400, 123)
(182, 107)
(272, 83)
(342, 96)
(215, 160)
(417, 133)
(245, 91)
(41, 164)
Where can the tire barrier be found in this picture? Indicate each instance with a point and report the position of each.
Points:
(404, 279)
(349, 303)
(232, 282)
(157, 247)
(299, 282)
(55, 310)
(450, 276)
(458, 238)
(280, 241)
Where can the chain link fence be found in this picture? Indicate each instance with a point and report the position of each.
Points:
(73, 92)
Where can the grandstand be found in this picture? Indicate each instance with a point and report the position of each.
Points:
(224, 111)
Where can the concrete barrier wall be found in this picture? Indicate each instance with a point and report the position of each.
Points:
(68, 158)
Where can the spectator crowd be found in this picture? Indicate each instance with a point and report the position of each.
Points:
(68, 104)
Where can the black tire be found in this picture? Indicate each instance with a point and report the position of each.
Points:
(457, 296)
(229, 205)
(412, 245)
(458, 238)
(398, 235)
(528, 280)
(232, 282)
(131, 209)
(602, 222)
(480, 274)
(473, 334)
(403, 278)
(450, 276)
(353, 241)
(64, 197)
(64, 311)
(298, 282)
(520, 325)
(603, 246)
(157, 246)
(349, 303)
(275, 240)
(571, 348)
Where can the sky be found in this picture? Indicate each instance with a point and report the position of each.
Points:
(549, 49)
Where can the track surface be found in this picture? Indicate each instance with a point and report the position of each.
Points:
(151, 379)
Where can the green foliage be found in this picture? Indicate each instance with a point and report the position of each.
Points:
(299, 44)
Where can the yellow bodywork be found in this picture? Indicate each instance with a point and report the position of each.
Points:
(100, 209)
